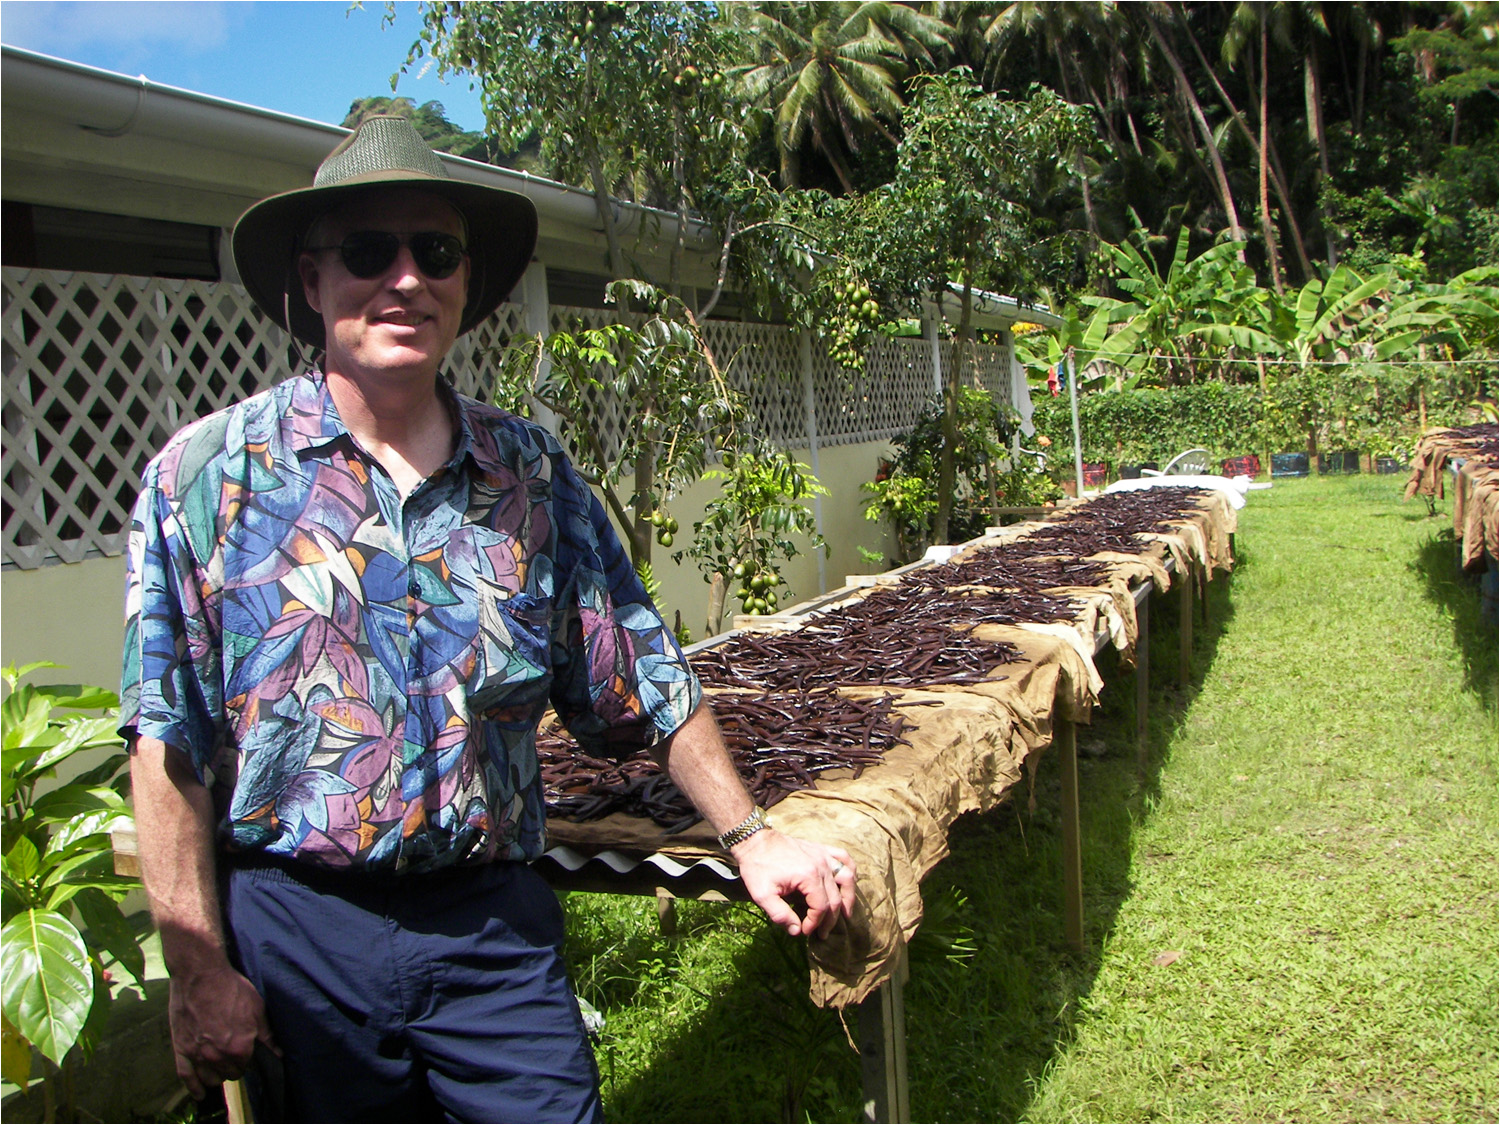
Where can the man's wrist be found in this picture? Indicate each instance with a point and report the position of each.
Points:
(755, 822)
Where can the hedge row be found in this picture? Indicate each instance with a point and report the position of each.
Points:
(1374, 409)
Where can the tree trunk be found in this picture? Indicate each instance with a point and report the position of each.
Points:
(645, 480)
(947, 460)
(1185, 88)
(679, 180)
(1359, 88)
(718, 592)
(1265, 148)
(1312, 89)
(606, 212)
(1268, 232)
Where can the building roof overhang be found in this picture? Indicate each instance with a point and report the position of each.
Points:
(80, 137)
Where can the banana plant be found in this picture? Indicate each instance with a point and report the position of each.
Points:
(1171, 321)
(60, 896)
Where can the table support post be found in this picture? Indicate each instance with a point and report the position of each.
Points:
(666, 912)
(882, 1049)
(1184, 628)
(1207, 576)
(1142, 677)
(1066, 737)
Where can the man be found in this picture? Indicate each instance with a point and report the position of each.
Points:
(350, 599)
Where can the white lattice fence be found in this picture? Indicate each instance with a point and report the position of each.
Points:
(100, 370)
(475, 356)
(764, 364)
(875, 405)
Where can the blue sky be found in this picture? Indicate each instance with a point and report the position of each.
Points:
(307, 57)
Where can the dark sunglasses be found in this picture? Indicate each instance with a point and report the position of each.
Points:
(369, 253)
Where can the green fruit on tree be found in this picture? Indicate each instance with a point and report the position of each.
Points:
(665, 538)
(671, 525)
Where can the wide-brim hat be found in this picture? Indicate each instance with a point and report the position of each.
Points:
(381, 152)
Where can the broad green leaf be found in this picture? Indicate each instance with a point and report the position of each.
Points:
(105, 773)
(12, 674)
(15, 1056)
(107, 928)
(47, 987)
(27, 719)
(74, 800)
(88, 857)
(99, 823)
(115, 887)
(79, 697)
(78, 735)
(1093, 336)
(23, 861)
(1394, 345)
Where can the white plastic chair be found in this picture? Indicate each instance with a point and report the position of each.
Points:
(1190, 462)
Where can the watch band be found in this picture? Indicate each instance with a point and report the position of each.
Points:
(744, 829)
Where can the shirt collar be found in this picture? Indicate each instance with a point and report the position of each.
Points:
(313, 421)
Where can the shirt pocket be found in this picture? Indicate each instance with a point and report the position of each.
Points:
(513, 665)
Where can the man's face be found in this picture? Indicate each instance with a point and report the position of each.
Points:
(400, 322)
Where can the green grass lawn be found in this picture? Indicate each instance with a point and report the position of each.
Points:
(1291, 917)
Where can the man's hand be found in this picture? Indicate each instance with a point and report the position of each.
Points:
(773, 866)
(217, 1017)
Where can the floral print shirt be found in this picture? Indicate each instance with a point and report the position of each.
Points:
(358, 677)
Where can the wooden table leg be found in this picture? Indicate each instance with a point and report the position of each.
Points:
(882, 1050)
(1065, 735)
(1206, 575)
(1184, 627)
(666, 912)
(1142, 677)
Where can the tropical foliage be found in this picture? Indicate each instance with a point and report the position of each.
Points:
(662, 375)
(1269, 193)
(902, 493)
(61, 895)
(1313, 133)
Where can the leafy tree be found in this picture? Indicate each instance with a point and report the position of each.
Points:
(748, 525)
(905, 494)
(959, 199)
(833, 72)
(665, 378)
(629, 98)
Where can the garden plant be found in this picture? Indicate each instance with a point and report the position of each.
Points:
(61, 895)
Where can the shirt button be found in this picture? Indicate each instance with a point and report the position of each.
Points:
(412, 589)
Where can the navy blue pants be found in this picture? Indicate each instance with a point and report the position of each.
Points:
(424, 998)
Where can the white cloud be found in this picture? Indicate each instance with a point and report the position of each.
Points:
(127, 26)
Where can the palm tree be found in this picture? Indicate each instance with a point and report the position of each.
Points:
(833, 72)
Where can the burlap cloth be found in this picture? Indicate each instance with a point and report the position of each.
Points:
(1476, 498)
(969, 748)
(1430, 458)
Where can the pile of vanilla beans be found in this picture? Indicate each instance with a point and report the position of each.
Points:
(779, 743)
(1482, 440)
(912, 633)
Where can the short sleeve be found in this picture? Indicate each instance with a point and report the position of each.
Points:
(170, 682)
(620, 680)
